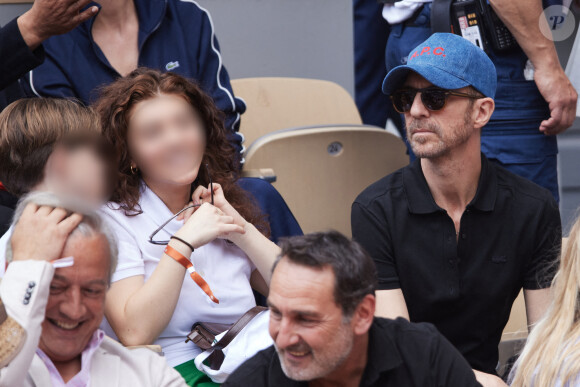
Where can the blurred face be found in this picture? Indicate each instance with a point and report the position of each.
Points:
(76, 302)
(78, 172)
(166, 140)
(310, 333)
(435, 133)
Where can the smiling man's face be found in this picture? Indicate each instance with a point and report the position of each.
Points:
(76, 303)
(312, 337)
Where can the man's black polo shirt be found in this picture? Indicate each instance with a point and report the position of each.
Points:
(510, 235)
(400, 354)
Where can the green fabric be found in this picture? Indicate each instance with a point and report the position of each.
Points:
(194, 377)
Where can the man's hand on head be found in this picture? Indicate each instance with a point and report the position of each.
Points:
(41, 233)
(53, 17)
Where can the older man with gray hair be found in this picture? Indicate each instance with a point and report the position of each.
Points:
(60, 260)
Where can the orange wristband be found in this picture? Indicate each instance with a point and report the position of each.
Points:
(180, 258)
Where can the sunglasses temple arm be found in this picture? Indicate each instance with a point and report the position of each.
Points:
(169, 220)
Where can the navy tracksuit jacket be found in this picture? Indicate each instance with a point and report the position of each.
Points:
(174, 35)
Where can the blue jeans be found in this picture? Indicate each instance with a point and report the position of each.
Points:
(512, 137)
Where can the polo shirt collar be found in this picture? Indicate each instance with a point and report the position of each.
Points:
(486, 193)
(382, 355)
(419, 197)
(150, 14)
(154, 208)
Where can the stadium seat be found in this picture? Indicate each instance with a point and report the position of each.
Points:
(319, 171)
(280, 103)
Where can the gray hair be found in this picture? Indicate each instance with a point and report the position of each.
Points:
(91, 224)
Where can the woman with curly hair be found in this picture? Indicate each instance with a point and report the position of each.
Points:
(172, 154)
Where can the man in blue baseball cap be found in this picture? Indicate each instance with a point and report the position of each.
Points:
(454, 237)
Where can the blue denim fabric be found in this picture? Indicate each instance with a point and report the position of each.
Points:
(512, 137)
(371, 32)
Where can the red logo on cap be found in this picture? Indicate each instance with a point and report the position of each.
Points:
(427, 51)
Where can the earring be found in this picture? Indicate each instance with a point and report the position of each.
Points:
(133, 169)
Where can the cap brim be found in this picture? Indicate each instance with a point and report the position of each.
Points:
(440, 78)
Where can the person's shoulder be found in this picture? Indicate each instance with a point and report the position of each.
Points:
(118, 210)
(414, 340)
(382, 187)
(116, 217)
(112, 210)
(422, 347)
(134, 356)
(112, 346)
(401, 327)
(141, 358)
(138, 364)
(253, 370)
(191, 7)
(522, 188)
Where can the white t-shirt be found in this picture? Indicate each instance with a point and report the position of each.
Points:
(3, 244)
(401, 10)
(223, 265)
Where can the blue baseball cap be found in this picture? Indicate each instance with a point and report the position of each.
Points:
(447, 61)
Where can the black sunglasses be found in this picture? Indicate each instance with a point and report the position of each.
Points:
(177, 214)
(433, 98)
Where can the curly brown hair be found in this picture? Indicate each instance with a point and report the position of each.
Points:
(114, 107)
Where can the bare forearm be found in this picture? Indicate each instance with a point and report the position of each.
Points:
(146, 312)
(391, 304)
(260, 249)
(488, 380)
(537, 303)
(522, 17)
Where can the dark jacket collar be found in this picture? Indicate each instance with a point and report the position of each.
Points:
(149, 12)
(419, 197)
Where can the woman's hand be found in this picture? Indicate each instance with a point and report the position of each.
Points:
(257, 247)
(206, 224)
(203, 195)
